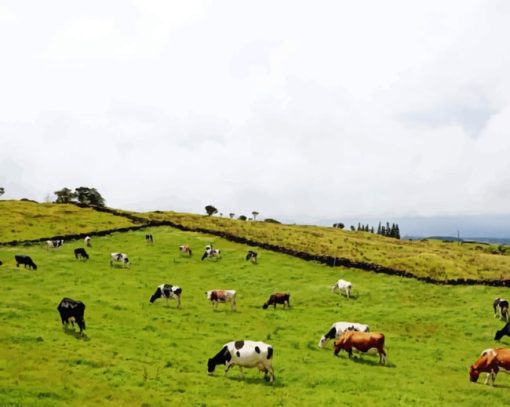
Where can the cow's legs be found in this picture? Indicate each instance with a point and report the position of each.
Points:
(242, 373)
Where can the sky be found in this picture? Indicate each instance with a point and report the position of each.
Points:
(298, 110)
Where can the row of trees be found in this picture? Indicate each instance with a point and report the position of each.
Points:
(83, 195)
(211, 210)
(392, 230)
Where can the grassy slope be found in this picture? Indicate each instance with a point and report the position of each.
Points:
(140, 354)
(422, 258)
(21, 220)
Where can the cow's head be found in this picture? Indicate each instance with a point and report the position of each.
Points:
(156, 295)
(473, 374)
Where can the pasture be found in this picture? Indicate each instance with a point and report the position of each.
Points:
(140, 354)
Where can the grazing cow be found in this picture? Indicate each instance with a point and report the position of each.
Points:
(185, 249)
(216, 296)
(55, 243)
(149, 239)
(167, 291)
(72, 311)
(252, 256)
(119, 258)
(1, 262)
(338, 328)
(244, 354)
(88, 241)
(500, 306)
(491, 362)
(25, 260)
(211, 253)
(361, 341)
(80, 253)
(502, 332)
(342, 285)
(278, 298)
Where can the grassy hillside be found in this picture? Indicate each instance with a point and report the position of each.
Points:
(141, 354)
(440, 260)
(25, 220)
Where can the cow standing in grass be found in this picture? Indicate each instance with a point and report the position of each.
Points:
(500, 306)
(88, 241)
(338, 328)
(491, 362)
(119, 258)
(223, 296)
(25, 260)
(72, 311)
(185, 250)
(342, 285)
(252, 257)
(167, 291)
(244, 354)
(362, 341)
(81, 253)
(278, 298)
(211, 253)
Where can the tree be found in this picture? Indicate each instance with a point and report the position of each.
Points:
(231, 214)
(242, 217)
(271, 220)
(211, 210)
(338, 225)
(89, 196)
(254, 213)
(2, 191)
(65, 195)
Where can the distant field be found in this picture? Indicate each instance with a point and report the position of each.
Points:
(22, 220)
(141, 354)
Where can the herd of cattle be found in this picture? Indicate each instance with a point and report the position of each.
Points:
(346, 335)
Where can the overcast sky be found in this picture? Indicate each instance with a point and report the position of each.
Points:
(295, 109)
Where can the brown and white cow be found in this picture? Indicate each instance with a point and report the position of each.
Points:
(185, 250)
(224, 296)
(362, 341)
(491, 361)
(278, 298)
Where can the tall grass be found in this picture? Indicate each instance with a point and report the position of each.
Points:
(135, 353)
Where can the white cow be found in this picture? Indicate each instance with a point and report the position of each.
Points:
(338, 328)
(119, 258)
(211, 253)
(216, 296)
(244, 354)
(342, 285)
(88, 241)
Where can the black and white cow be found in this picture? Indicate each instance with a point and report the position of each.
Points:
(167, 291)
(502, 332)
(88, 241)
(338, 328)
(25, 260)
(72, 311)
(244, 354)
(342, 285)
(121, 258)
(80, 253)
(211, 253)
(149, 239)
(252, 256)
(500, 306)
(185, 250)
(54, 243)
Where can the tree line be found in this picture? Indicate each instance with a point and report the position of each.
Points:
(387, 230)
(83, 195)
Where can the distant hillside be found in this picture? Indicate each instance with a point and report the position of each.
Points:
(424, 258)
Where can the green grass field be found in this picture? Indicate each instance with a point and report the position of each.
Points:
(140, 354)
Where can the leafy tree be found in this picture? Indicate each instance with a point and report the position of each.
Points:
(271, 220)
(231, 214)
(65, 195)
(254, 213)
(211, 210)
(338, 225)
(353, 228)
(89, 196)
(2, 191)
(242, 217)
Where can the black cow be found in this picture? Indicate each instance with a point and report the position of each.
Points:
(167, 291)
(25, 260)
(500, 306)
(252, 256)
(72, 311)
(80, 253)
(502, 332)
(149, 239)
(278, 298)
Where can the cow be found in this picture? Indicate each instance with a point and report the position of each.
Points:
(80, 253)
(72, 311)
(149, 239)
(278, 298)
(338, 328)
(502, 332)
(342, 285)
(55, 243)
(244, 354)
(211, 253)
(167, 291)
(25, 260)
(119, 258)
(216, 296)
(361, 341)
(88, 241)
(500, 306)
(491, 361)
(1, 262)
(185, 249)
(252, 256)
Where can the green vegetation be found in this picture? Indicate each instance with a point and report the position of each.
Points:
(22, 220)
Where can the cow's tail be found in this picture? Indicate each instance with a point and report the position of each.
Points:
(269, 352)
